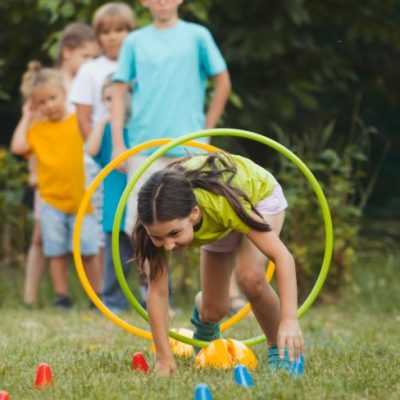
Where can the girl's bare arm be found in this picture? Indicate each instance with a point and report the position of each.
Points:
(19, 143)
(158, 307)
(94, 141)
(84, 115)
(289, 333)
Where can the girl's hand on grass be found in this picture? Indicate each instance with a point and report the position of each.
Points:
(290, 335)
(165, 367)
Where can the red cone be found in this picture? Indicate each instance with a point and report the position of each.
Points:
(140, 363)
(43, 376)
(4, 395)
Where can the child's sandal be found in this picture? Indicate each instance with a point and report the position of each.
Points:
(275, 362)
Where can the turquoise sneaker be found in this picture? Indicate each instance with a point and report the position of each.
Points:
(207, 331)
(275, 363)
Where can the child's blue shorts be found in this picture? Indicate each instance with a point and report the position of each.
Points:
(57, 230)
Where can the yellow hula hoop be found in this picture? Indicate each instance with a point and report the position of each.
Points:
(78, 226)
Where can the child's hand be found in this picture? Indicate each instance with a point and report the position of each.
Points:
(165, 367)
(290, 335)
(28, 110)
(117, 151)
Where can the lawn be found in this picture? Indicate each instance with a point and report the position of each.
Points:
(352, 351)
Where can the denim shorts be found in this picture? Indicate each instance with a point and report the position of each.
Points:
(274, 204)
(57, 230)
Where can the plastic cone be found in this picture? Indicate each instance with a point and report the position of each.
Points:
(297, 368)
(242, 376)
(44, 377)
(4, 395)
(139, 363)
(202, 392)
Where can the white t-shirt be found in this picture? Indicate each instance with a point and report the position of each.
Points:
(87, 86)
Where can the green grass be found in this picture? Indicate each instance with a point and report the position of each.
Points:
(352, 351)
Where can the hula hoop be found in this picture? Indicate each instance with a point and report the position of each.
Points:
(248, 135)
(216, 132)
(77, 253)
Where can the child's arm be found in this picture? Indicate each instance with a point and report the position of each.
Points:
(158, 308)
(84, 114)
(19, 143)
(289, 332)
(93, 142)
(222, 88)
(117, 119)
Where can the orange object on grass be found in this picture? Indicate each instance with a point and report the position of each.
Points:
(178, 348)
(225, 353)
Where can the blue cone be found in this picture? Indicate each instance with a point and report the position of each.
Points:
(297, 368)
(242, 376)
(202, 392)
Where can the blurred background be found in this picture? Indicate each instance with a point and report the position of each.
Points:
(320, 77)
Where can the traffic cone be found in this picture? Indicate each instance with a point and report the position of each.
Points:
(4, 395)
(44, 377)
(202, 392)
(140, 363)
(242, 376)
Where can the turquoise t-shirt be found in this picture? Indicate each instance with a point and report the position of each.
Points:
(219, 218)
(169, 69)
(114, 183)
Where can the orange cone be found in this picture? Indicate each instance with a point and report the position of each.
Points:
(4, 395)
(139, 363)
(43, 376)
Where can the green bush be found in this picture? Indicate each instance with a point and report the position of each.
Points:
(343, 169)
(15, 216)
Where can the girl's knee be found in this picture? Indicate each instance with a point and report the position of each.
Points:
(215, 313)
(251, 283)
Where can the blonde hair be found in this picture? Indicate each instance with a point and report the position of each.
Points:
(111, 11)
(74, 36)
(35, 76)
(108, 81)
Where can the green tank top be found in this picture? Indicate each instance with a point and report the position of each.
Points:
(219, 218)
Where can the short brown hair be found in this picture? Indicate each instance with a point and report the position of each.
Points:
(111, 11)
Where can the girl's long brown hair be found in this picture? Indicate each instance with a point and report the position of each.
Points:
(168, 195)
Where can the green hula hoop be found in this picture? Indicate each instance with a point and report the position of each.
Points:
(236, 133)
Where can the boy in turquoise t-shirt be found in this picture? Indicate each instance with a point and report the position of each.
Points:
(169, 63)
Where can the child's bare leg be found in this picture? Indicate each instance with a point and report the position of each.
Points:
(59, 274)
(35, 266)
(251, 279)
(263, 299)
(215, 271)
(94, 272)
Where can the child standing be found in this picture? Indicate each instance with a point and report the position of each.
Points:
(77, 45)
(99, 146)
(169, 63)
(234, 210)
(57, 144)
(111, 23)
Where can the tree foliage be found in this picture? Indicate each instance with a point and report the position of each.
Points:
(297, 66)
